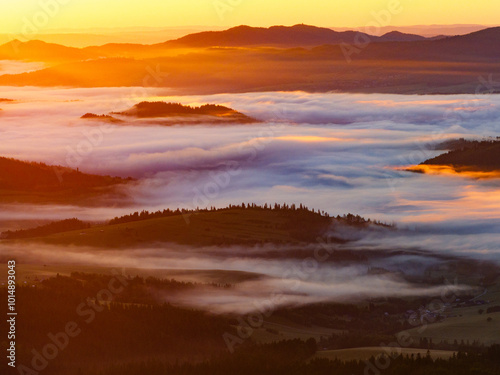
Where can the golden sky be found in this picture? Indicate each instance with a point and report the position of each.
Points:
(21, 16)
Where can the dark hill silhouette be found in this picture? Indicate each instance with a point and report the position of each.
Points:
(445, 66)
(480, 46)
(293, 36)
(22, 175)
(397, 36)
(162, 109)
(472, 155)
(35, 50)
(31, 181)
(93, 116)
(298, 35)
(248, 224)
(484, 44)
(240, 36)
(47, 229)
(277, 36)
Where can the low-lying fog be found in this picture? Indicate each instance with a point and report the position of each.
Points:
(337, 152)
(259, 280)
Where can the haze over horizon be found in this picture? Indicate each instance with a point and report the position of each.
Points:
(77, 14)
(96, 36)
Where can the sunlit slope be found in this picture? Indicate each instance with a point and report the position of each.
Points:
(36, 50)
(240, 70)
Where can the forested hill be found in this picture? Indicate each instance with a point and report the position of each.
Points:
(31, 181)
(234, 225)
(163, 109)
(476, 155)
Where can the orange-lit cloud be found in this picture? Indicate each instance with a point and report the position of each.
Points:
(472, 203)
(452, 171)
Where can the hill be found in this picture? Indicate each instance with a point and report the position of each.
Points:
(479, 46)
(277, 36)
(22, 181)
(397, 36)
(217, 113)
(234, 225)
(36, 50)
(230, 226)
(48, 229)
(470, 155)
(283, 36)
(93, 116)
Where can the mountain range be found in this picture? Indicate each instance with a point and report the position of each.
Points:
(240, 36)
(282, 36)
(246, 58)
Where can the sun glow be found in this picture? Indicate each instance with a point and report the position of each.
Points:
(38, 16)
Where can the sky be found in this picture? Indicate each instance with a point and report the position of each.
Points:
(35, 16)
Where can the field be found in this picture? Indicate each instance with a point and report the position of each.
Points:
(467, 323)
(276, 329)
(34, 273)
(366, 353)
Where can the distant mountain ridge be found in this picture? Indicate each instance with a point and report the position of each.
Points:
(278, 36)
(35, 50)
(239, 36)
(397, 36)
(293, 58)
(297, 35)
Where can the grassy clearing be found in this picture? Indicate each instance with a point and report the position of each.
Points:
(277, 329)
(32, 272)
(466, 323)
(366, 353)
